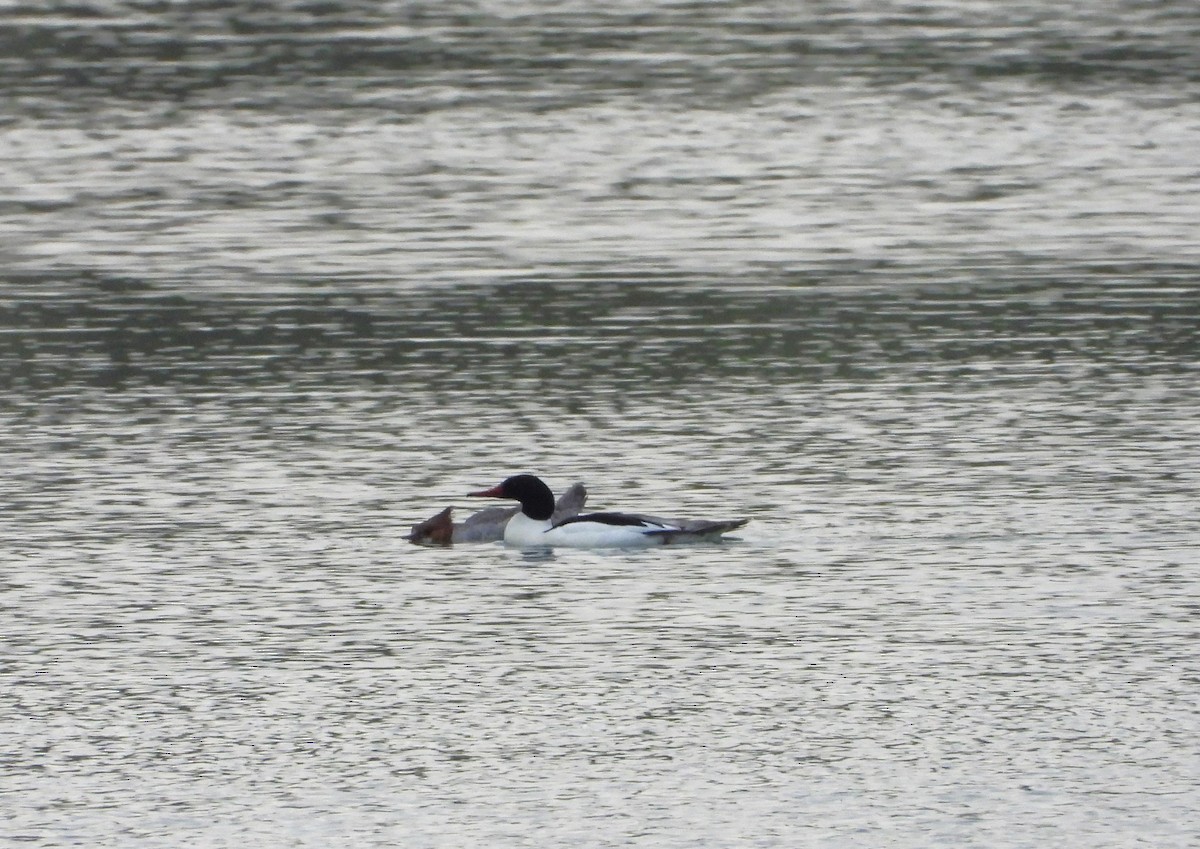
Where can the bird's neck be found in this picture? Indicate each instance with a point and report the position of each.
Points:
(539, 507)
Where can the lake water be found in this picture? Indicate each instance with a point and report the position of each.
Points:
(914, 287)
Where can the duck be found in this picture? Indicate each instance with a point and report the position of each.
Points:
(534, 523)
(487, 525)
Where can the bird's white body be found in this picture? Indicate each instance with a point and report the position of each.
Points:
(526, 532)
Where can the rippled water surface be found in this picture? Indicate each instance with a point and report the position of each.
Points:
(913, 287)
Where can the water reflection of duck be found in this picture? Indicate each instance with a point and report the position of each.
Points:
(487, 525)
(535, 523)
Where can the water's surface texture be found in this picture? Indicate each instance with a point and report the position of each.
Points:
(912, 285)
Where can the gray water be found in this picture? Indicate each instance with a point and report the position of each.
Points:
(913, 287)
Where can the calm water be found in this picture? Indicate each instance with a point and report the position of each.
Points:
(915, 287)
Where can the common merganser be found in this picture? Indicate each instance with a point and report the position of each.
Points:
(488, 524)
(534, 524)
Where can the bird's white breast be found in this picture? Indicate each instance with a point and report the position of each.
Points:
(523, 531)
